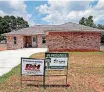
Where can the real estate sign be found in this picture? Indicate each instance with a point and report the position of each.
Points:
(32, 66)
(56, 60)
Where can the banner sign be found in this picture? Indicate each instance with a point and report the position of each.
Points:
(56, 60)
(32, 66)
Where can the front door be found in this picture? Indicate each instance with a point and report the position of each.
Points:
(34, 41)
(28, 42)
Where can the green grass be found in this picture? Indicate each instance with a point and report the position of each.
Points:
(15, 70)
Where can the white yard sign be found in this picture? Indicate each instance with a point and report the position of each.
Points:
(32, 66)
(56, 60)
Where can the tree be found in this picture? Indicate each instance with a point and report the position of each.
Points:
(102, 38)
(21, 23)
(10, 23)
(94, 26)
(82, 21)
(87, 21)
(13, 23)
(99, 26)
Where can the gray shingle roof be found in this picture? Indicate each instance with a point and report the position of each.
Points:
(41, 29)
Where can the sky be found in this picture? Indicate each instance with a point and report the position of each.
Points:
(53, 11)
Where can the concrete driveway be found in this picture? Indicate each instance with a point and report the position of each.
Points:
(11, 58)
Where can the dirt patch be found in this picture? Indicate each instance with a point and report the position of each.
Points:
(3, 47)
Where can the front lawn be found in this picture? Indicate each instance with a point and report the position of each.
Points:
(85, 74)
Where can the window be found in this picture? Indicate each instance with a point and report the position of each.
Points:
(14, 40)
(34, 39)
(43, 39)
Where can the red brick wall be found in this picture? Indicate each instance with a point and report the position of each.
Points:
(19, 42)
(73, 41)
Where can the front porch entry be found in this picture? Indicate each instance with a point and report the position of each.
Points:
(30, 41)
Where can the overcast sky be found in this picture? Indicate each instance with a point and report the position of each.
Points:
(54, 12)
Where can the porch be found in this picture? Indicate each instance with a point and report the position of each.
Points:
(30, 41)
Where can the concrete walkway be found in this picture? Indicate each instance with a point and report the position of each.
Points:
(11, 58)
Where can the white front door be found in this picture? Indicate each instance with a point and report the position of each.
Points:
(34, 41)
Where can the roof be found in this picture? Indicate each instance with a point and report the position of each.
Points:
(67, 27)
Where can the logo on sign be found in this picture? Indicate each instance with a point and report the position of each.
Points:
(58, 61)
(32, 67)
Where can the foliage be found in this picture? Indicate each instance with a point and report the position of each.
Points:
(11, 23)
(100, 26)
(102, 38)
(89, 22)
(82, 21)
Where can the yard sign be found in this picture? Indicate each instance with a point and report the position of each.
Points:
(56, 60)
(32, 67)
(37, 67)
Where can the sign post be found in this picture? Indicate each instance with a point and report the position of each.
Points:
(57, 61)
(37, 67)
(34, 67)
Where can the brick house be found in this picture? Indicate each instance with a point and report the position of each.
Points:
(64, 37)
